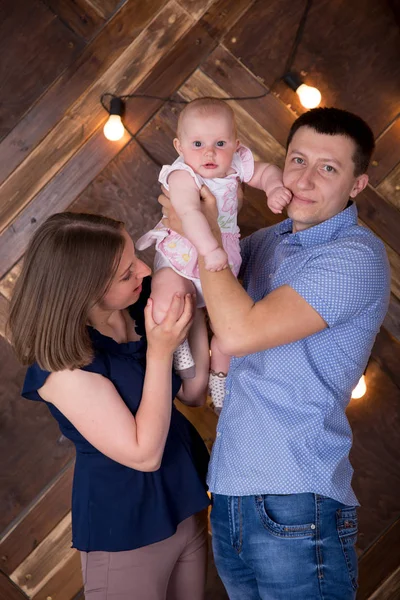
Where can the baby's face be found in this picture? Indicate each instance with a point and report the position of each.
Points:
(207, 144)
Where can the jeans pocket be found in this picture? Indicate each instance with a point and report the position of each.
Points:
(282, 530)
(347, 528)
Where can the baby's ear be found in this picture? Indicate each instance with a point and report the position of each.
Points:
(177, 146)
(237, 145)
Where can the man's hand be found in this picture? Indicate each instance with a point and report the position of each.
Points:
(170, 219)
(208, 207)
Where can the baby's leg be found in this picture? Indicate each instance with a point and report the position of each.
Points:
(218, 372)
(199, 346)
(164, 285)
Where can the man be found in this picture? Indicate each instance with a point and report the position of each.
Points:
(315, 292)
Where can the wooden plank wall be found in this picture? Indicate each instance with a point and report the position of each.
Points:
(58, 57)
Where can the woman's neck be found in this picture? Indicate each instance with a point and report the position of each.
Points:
(116, 324)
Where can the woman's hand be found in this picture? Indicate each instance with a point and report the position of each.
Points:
(165, 337)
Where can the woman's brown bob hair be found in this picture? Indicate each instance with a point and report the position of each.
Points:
(68, 267)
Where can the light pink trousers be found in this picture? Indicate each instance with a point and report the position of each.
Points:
(173, 569)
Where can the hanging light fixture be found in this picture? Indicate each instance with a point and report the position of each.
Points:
(310, 97)
(114, 129)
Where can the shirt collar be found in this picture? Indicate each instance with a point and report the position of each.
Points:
(323, 232)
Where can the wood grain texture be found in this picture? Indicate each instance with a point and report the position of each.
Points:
(65, 582)
(386, 155)
(230, 74)
(32, 449)
(380, 216)
(350, 53)
(37, 521)
(79, 16)
(126, 190)
(9, 280)
(386, 352)
(222, 15)
(96, 58)
(196, 7)
(8, 590)
(390, 588)
(168, 75)
(392, 319)
(35, 48)
(375, 422)
(4, 307)
(58, 195)
(390, 187)
(379, 561)
(46, 560)
(87, 114)
(262, 144)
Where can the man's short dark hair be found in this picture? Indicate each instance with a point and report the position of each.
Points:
(335, 121)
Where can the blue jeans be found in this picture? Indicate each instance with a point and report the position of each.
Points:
(293, 547)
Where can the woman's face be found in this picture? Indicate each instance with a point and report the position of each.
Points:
(127, 282)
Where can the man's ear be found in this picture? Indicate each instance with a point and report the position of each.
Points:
(360, 184)
(177, 146)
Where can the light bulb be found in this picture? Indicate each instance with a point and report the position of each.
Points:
(360, 388)
(114, 129)
(309, 96)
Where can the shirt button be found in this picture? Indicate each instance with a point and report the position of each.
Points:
(218, 433)
(270, 275)
(226, 392)
(312, 526)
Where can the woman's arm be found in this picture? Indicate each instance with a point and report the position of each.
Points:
(94, 407)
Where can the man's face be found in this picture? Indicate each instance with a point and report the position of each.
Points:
(319, 171)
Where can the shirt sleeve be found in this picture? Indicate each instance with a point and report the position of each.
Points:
(345, 281)
(34, 379)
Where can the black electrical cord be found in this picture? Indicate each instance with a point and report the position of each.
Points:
(288, 66)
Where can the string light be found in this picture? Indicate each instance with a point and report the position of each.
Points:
(310, 97)
(360, 389)
(114, 129)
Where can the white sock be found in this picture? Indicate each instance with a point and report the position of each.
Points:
(183, 361)
(216, 386)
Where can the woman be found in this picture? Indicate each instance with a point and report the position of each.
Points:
(81, 317)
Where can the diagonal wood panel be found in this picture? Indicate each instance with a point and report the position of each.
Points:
(46, 560)
(32, 61)
(37, 521)
(87, 114)
(112, 41)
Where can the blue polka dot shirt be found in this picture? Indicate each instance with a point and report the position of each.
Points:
(283, 428)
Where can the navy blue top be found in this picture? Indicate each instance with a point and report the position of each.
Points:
(114, 507)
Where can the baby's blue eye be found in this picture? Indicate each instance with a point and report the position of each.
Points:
(221, 144)
(197, 144)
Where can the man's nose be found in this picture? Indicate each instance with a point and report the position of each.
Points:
(305, 180)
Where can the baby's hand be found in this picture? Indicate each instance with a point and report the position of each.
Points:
(278, 199)
(216, 260)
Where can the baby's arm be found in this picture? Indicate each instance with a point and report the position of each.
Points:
(185, 198)
(269, 178)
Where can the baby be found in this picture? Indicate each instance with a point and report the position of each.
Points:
(210, 154)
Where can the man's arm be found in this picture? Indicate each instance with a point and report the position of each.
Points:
(242, 326)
